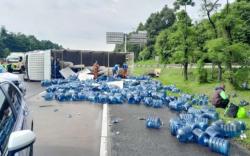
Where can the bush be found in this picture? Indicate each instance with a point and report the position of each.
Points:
(202, 72)
(240, 76)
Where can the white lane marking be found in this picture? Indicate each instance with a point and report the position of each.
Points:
(104, 135)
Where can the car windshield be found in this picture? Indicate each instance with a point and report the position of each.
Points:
(12, 59)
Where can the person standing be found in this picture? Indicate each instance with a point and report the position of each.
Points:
(95, 69)
(125, 70)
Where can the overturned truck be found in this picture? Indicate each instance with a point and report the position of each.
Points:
(39, 64)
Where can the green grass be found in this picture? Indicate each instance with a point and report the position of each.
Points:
(147, 62)
(174, 76)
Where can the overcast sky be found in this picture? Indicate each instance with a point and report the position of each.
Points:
(79, 24)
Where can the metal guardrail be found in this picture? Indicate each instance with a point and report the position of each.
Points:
(207, 65)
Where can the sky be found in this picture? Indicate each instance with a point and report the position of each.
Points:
(80, 24)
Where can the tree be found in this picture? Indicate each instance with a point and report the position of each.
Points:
(185, 3)
(19, 42)
(209, 7)
(156, 22)
(217, 53)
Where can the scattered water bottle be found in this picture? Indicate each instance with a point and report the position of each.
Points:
(194, 111)
(184, 134)
(202, 123)
(157, 103)
(176, 105)
(230, 130)
(153, 122)
(81, 96)
(218, 123)
(214, 131)
(186, 116)
(211, 115)
(49, 96)
(200, 137)
(186, 106)
(175, 124)
(148, 101)
(240, 125)
(219, 145)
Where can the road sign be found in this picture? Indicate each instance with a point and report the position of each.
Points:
(138, 38)
(115, 37)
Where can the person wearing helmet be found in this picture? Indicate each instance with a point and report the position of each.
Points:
(220, 99)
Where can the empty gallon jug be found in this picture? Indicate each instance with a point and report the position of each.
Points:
(91, 97)
(49, 96)
(102, 98)
(111, 99)
(192, 124)
(148, 101)
(81, 96)
(186, 116)
(214, 131)
(184, 134)
(75, 97)
(202, 123)
(230, 130)
(240, 125)
(153, 122)
(61, 97)
(118, 98)
(176, 105)
(218, 123)
(219, 145)
(175, 124)
(204, 120)
(200, 137)
(194, 111)
(207, 108)
(194, 101)
(211, 115)
(186, 106)
(157, 103)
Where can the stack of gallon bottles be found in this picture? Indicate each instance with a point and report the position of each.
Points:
(136, 90)
(203, 127)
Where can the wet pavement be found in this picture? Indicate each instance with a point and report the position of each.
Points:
(64, 129)
(130, 137)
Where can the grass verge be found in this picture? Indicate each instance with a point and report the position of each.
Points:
(174, 76)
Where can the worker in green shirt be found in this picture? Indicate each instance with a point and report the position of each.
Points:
(220, 99)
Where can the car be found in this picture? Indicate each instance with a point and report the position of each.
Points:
(16, 124)
(4, 75)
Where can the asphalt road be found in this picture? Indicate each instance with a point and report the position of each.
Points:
(130, 137)
(74, 129)
(64, 129)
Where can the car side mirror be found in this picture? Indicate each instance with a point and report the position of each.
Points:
(20, 140)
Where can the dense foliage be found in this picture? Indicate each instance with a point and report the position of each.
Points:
(154, 25)
(12, 42)
(222, 38)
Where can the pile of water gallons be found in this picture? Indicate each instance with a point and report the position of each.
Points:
(197, 121)
(136, 90)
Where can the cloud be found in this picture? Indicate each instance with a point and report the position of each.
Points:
(77, 24)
